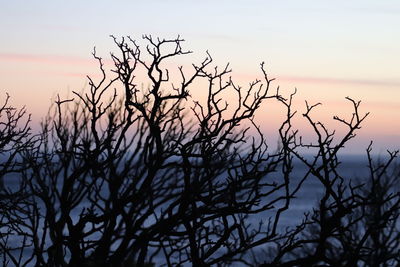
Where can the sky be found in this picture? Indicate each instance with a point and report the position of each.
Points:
(328, 50)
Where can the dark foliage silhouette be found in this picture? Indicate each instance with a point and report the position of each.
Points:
(129, 174)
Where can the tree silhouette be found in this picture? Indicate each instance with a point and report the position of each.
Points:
(123, 175)
(355, 222)
(15, 138)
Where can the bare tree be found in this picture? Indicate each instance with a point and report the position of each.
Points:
(379, 240)
(120, 181)
(14, 133)
(15, 138)
(355, 222)
(123, 175)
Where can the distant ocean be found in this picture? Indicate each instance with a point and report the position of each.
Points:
(352, 168)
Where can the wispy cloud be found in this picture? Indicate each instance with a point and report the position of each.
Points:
(243, 76)
(76, 74)
(387, 106)
(326, 80)
(49, 59)
(383, 105)
(74, 60)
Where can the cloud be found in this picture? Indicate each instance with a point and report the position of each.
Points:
(47, 59)
(75, 74)
(325, 80)
(74, 60)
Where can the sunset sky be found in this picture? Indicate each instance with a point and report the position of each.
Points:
(326, 49)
